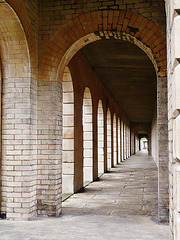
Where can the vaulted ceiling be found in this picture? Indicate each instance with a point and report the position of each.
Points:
(128, 73)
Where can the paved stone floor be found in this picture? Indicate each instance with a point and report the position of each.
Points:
(122, 205)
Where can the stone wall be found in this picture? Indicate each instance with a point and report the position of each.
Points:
(162, 140)
(173, 56)
(68, 134)
(154, 143)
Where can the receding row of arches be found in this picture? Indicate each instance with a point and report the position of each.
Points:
(115, 144)
(95, 134)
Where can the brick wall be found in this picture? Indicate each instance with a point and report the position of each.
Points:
(55, 13)
(104, 23)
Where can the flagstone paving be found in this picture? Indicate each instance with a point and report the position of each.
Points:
(121, 205)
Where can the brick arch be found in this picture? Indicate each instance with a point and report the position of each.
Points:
(139, 132)
(21, 10)
(16, 78)
(93, 26)
(13, 45)
(136, 127)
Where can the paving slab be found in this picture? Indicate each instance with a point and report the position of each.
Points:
(122, 205)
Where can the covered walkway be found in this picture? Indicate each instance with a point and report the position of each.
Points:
(121, 205)
(130, 188)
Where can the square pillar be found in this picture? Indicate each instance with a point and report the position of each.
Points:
(49, 182)
(19, 153)
(163, 159)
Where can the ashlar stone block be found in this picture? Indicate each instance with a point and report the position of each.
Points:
(68, 109)
(176, 138)
(68, 144)
(68, 121)
(175, 36)
(68, 132)
(176, 225)
(68, 156)
(176, 187)
(68, 169)
(68, 181)
(176, 4)
(176, 91)
(67, 87)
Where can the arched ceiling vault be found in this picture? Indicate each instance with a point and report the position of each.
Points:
(128, 73)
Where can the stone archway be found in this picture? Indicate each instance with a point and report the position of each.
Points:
(60, 49)
(19, 151)
(129, 27)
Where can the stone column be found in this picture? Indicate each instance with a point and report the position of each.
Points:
(105, 141)
(68, 135)
(125, 140)
(49, 189)
(19, 153)
(112, 142)
(95, 145)
(117, 142)
(149, 144)
(162, 122)
(132, 143)
(109, 140)
(78, 140)
(122, 141)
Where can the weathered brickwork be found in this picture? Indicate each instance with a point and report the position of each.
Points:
(19, 155)
(78, 31)
(27, 12)
(49, 180)
(56, 13)
(162, 138)
(18, 118)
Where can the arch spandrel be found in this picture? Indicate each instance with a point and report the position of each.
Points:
(12, 40)
(94, 26)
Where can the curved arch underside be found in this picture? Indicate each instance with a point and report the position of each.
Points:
(129, 75)
(65, 43)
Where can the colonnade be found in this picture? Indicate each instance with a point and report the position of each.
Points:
(113, 140)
